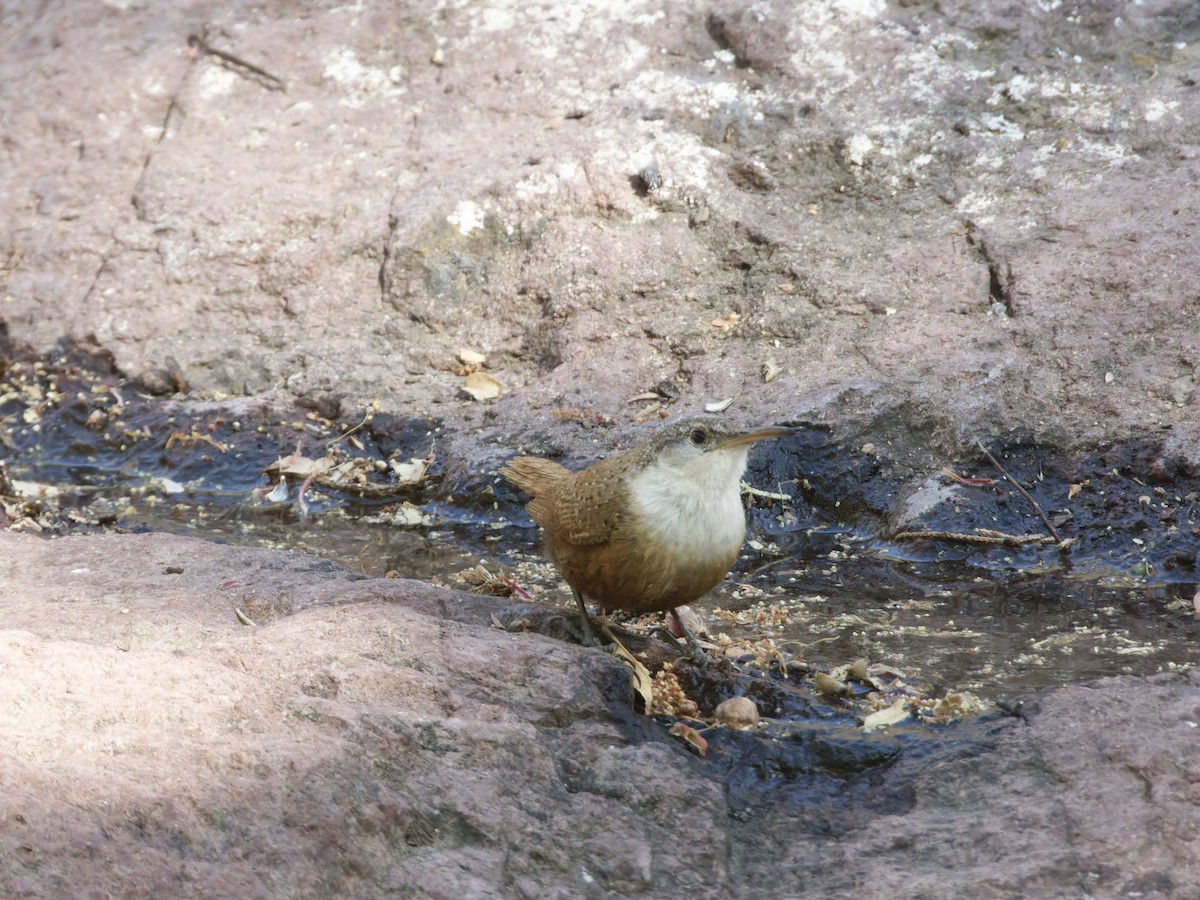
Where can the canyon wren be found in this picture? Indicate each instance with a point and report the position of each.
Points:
(648, 529)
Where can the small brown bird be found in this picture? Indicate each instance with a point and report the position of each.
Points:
(648, 529)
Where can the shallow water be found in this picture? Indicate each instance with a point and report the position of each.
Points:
(957, 624)
(817, 577)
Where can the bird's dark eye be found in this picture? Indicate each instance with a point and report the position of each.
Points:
(699, 436)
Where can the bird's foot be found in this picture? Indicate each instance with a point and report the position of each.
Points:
(698, 654)
(663, 633)
(587, 634)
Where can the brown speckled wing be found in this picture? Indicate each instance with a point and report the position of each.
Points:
(587, 509)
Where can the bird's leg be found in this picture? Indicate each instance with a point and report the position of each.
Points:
(589, 636)
(698, 654)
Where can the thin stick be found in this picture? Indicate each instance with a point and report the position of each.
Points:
(266, 79)
(766, 495)
(367, 416)
(1062, 545)
(992, 538)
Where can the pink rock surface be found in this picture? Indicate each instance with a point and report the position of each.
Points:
(945, 218)
(365, 738)
(940, 221)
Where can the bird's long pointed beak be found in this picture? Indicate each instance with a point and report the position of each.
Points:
(765, 433)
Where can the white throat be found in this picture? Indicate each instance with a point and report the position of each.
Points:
(694, 505)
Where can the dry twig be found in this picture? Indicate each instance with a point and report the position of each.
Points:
(982, 536)
(262, 76)
(1063, 546)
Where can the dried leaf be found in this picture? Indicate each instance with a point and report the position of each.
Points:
(167, 486)
(827, 684)
(470, 357)
(771, 369)
(279, 493)
(642, 682)
(691, 620)
(411, 472)
(481, 386)
(34, 489)
(689, 736)
(961, 479)
(897, 712)
(719, 406)
(481, 581)
(349, 475)
(726, 322)
(299, 467)
(401, 515)
(178, 437)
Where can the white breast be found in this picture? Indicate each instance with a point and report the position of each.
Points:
(694, 505)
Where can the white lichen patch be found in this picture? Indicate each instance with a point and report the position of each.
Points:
(468, 216)
(1003, 128)
(1156, 108)
(216, 81)
(555, 23)
(858, 148)
(363, 82)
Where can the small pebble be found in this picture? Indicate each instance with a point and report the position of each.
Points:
(651, 178)
(739, 713)
(827, 684)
